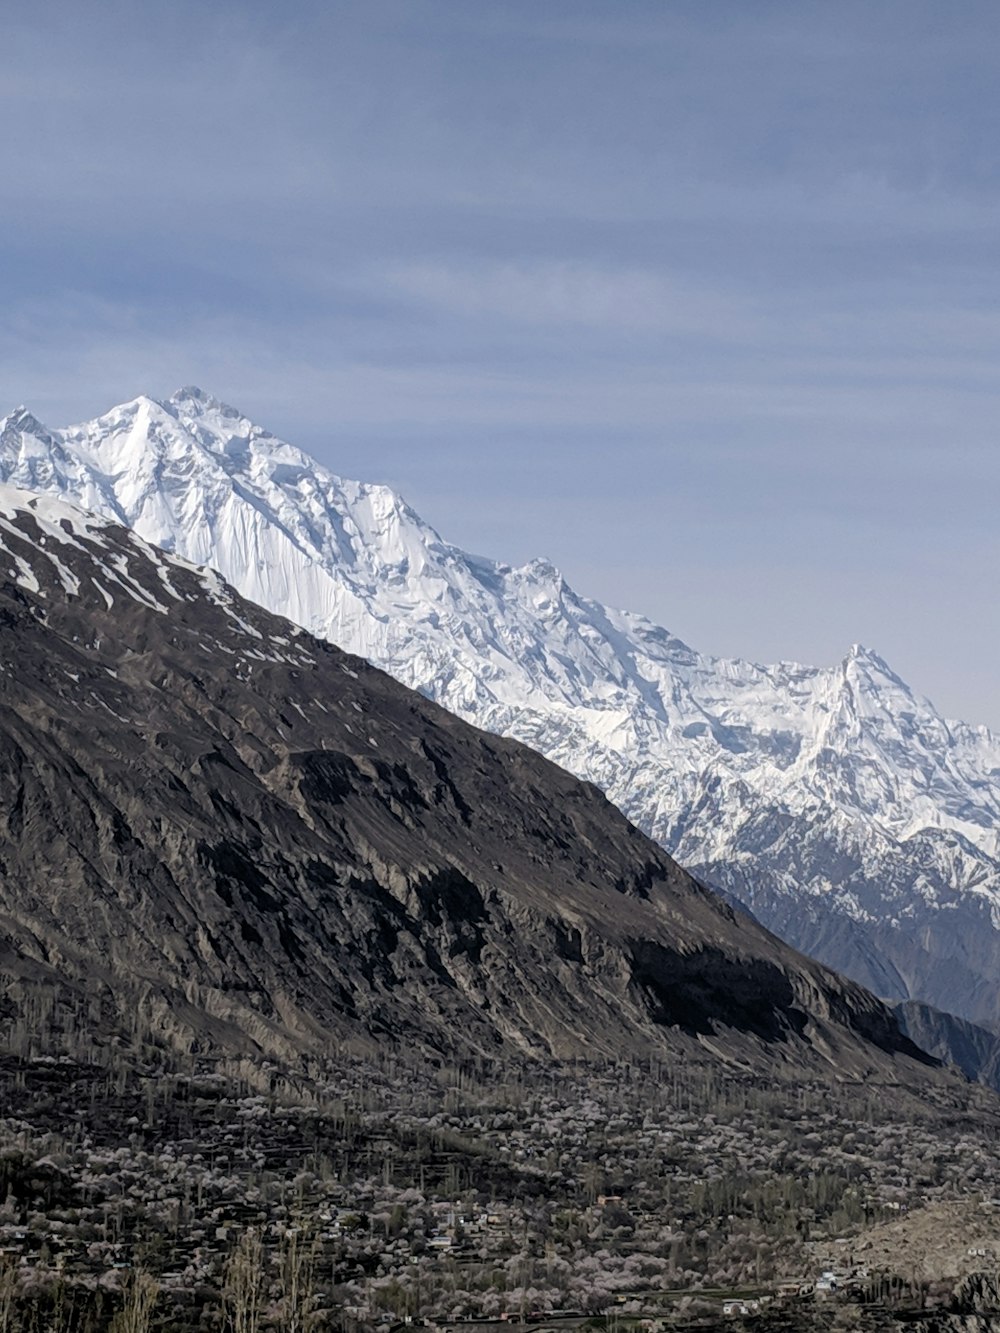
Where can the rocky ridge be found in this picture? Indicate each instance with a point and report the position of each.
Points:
(838, 805)
(230, 833)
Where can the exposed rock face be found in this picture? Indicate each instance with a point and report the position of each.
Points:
(839, 805)
(980, 1292)
(259, 841)
(975, 1308)
(973, 1050)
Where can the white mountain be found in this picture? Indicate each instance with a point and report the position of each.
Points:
(838, 805)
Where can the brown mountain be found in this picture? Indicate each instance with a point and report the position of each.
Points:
(220, 830)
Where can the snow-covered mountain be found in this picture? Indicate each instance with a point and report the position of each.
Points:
(838, 805)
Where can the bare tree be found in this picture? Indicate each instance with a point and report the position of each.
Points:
(243, 1289)
(8, 1297)
(136, 1314)
(298, 1265)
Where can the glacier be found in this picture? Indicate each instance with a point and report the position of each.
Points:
(834, 802)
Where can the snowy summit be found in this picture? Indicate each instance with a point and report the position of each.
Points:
(834, 801)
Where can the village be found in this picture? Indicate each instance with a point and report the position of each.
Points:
(417, 1195)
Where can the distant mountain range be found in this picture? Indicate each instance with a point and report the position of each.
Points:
(218, 832)
(838, 805)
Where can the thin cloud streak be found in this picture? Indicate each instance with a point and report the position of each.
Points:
(667, 293)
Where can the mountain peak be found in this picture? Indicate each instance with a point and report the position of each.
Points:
(197, 402)
(724, 762)
(860, 657)
(21, 433)
(859, 653)
(541, 568)
(191, 393)
(24, 421)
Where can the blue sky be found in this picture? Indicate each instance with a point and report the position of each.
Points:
(699, 300)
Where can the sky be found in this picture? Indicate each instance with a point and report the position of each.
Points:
(697, 300)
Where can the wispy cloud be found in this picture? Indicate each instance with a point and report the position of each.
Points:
(673, 293)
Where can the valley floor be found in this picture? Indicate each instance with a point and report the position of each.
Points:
(386, 1191)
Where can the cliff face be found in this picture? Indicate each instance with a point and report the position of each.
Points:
(240, 835)
(974, 1308)
(973, 1050)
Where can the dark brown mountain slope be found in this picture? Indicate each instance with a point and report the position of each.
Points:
(243, 835)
